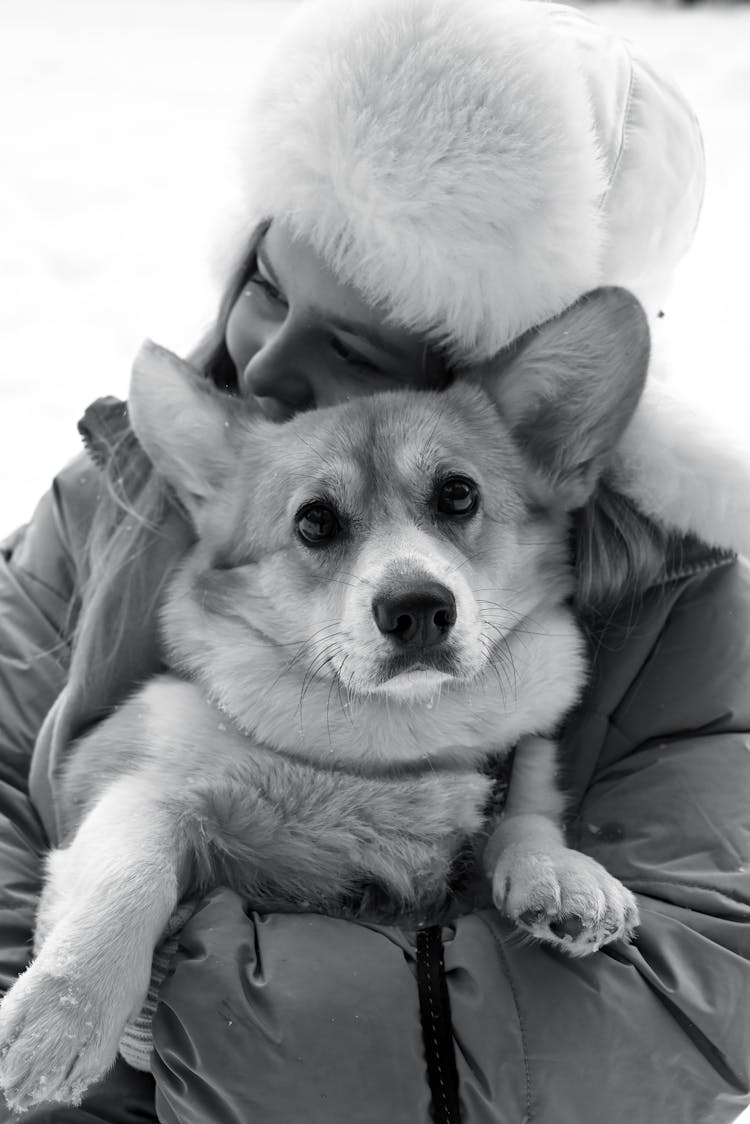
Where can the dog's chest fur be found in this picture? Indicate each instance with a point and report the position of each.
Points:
(285, 832)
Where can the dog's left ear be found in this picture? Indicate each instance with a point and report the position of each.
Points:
(181, 422)
(569, 388)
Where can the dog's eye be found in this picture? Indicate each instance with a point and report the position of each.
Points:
(457, 496)
(317, 524)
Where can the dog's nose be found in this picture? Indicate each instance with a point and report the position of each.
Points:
(415, 616)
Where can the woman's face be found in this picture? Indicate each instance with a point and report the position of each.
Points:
(301, 338)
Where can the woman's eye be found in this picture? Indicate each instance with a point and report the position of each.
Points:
(458, 496)
(353, 358)
(317, 524)
(267, 287)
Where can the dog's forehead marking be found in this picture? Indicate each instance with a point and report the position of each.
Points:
(382, 452)
(345, 461)
(339, 479)
(423, 464)
(412, 445)
(387, 465)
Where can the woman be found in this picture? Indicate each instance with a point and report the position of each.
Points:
(427, 179)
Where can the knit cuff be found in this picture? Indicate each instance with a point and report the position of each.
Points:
(136, 1045)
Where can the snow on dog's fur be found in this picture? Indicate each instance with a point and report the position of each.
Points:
(376, 606)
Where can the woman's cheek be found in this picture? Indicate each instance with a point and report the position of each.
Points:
(244, 336)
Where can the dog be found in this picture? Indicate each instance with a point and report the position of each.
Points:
(377, 605)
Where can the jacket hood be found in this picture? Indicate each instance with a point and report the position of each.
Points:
(472, 167)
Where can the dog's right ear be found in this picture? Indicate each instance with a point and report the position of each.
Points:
(568, 389)
(181, 422)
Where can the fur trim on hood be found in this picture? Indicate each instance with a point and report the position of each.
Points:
(473, 167)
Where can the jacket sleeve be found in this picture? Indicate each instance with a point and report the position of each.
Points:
(37, 583)
(38, 574)
(317, 1019)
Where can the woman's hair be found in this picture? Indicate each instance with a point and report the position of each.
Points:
(617, 551)
(617, 554)
(135, 502)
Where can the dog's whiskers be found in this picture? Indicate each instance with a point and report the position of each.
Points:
(345, 705)
(358, 578)
(515, 626)
(470, 558)
(349, 693)
(317, 664)
(492, 663)
(334, 681)
(507, 647)
(319, 661)
(500, 658)
(512, 590)
(305, 646)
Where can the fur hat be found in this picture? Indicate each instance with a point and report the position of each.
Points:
(474, 166)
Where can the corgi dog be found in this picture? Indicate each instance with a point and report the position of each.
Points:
(377, 606)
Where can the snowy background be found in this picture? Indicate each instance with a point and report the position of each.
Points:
(117, 134)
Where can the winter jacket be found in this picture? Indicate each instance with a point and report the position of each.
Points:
(298, 1019)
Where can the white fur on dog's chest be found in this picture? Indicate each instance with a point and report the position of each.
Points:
(403, 794)
(291, 832)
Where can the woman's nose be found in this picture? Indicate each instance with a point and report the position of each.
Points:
(275, 377)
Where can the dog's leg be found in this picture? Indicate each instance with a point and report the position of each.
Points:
(60, 1023)
(552, 892)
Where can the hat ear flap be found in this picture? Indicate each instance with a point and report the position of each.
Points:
(181, 422)
(568, 389)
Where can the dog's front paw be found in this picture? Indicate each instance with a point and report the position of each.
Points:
(56, 1039)
(564, 898)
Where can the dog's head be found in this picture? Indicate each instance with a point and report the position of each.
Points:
(391, 545)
